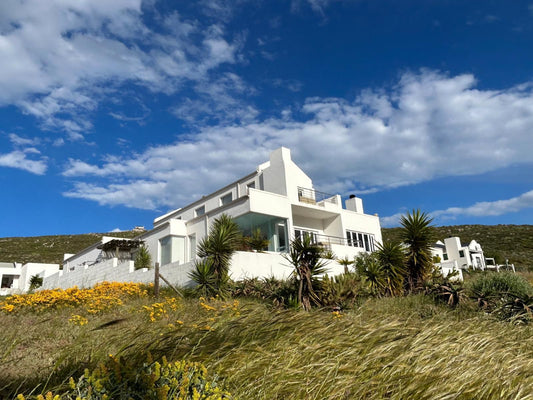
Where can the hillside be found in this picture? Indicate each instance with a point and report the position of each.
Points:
(512, 242)
(50, 249)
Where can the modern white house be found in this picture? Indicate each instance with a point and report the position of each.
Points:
(455, 257)
(15, 277)
(277, 197)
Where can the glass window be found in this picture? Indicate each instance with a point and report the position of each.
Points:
(166, 250)
(461, 253)
(251, 185)
(199, 211)
(226, 199)
(282, 237)
(445, 256)
(362, 240)
(192, 247)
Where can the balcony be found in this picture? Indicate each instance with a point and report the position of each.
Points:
(314, 197)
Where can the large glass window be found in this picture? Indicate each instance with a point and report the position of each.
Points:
(360, 239)
(274, 228)
(192, 247)
(172, 249)
(302, 233)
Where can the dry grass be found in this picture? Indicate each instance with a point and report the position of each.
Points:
(406, 348)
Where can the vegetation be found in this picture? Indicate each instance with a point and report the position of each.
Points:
(36, 281)
(143, 259)
(50, 249)
(306, 258)
(512, 242)
(418, 235)
(257, 241)
(390, 347)
(211, 273)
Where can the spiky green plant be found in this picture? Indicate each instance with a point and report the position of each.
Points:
(257, 241)
(306, 258)
(219, 245)
(205, 279)
(345, 262)
(36, 281)
(391, 257)
(143, 258)
(418, 235)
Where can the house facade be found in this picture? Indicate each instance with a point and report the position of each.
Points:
(15, 277)
(277, 198)
(456, 257)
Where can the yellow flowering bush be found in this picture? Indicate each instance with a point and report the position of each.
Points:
(78, 320)
(101, 297)
(157, 311)
(119, 379)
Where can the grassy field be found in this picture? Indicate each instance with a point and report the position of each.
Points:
(394, 348)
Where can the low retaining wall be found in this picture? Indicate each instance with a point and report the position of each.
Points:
(114, 271)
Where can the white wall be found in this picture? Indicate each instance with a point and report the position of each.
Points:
(112, 271)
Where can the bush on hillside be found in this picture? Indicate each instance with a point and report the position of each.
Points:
(492, 289)
(119, 379)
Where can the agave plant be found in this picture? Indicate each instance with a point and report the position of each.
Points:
(204, 277)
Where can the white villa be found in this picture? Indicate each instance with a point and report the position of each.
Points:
(278, 198)
(15, 277)
(455, 257)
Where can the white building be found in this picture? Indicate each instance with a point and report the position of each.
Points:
(15, 277)
(455, 257)
(280, 200)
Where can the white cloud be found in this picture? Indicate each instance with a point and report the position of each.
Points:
(56, 57)
(489, 208)
(18, 159)
(480, 209)
(429, 125)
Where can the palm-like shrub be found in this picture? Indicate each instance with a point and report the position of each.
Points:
(257, 241)
(306, 257)
(216, 250)
(391, 257)
(418, 235)
(143, 258)
(205, 279)
(345, 262)
(371, 272)
(36, 281)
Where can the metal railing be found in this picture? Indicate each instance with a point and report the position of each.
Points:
(322, 240)
(312, 196)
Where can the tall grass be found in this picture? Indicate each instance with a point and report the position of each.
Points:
(394, 348)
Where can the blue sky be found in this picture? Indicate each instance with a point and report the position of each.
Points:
(112, 113)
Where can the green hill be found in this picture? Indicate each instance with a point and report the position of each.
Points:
(50, 249)
(512, 242)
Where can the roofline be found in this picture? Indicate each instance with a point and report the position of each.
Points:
(170, 214)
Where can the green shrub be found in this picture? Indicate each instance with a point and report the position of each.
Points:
(342, 291)
(282, 293)
(494, 288)
(119, 379)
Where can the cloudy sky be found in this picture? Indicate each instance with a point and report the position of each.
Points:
(114, 112)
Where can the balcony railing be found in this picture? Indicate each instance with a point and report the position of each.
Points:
(322, 240)
(312, 196)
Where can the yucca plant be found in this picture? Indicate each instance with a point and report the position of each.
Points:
(391, 257)
(306, 257)
(36, 281)
(206, 281)
(257, 241)
(143, 258)
(218, 248)
(417, 234)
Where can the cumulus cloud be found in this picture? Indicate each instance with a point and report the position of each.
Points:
(428, 125)
(480, 209)
(19, 160)
(58, 58)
